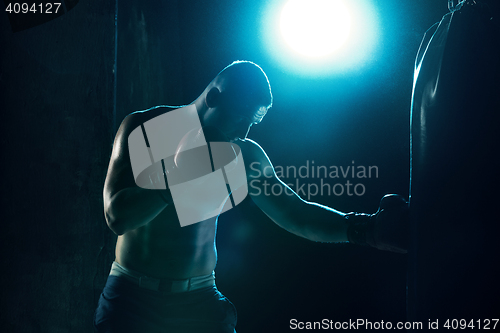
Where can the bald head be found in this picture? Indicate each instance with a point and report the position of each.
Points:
(245, 80)
(237, 98)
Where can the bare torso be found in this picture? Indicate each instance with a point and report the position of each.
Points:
(162, 248)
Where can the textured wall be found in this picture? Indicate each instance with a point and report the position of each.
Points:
(149, 57)
(56, 86)
(59, 117)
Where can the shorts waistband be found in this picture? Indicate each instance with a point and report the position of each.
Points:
(162, 285)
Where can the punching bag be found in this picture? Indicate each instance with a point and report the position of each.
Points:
(454, 271)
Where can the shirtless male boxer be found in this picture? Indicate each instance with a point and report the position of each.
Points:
(162, 279)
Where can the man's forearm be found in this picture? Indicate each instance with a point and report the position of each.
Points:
(306, 219)
(320, 223)
(132, 208)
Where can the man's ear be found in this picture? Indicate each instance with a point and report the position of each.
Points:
(213, 97)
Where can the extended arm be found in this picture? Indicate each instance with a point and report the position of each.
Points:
(288, 210)
(384, 230)
(303, 218)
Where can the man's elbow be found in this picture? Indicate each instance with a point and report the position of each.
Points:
(113, 220)
(116, 225)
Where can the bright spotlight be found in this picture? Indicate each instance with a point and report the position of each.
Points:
(315, 28)
(324, 37)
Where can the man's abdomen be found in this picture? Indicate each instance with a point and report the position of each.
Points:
(163, 249)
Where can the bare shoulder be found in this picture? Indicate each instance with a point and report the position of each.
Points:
(129, 123)
(134, 120)
(256, 160)
(120, 174)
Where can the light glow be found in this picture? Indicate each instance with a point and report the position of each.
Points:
(315, 28)
(321, 37)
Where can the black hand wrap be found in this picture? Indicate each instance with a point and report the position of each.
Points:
(360, 228)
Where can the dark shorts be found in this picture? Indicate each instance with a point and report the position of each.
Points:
(125, 307)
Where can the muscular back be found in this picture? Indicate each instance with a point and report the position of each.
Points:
(150, 238)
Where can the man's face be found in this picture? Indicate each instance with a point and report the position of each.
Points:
(234, 118)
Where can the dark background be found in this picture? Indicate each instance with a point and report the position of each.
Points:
(65, 87)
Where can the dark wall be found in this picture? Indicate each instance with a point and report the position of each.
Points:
(56, 87)
(149, 62)
(61, 105)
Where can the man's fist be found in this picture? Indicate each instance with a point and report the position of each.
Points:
(387, 229)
